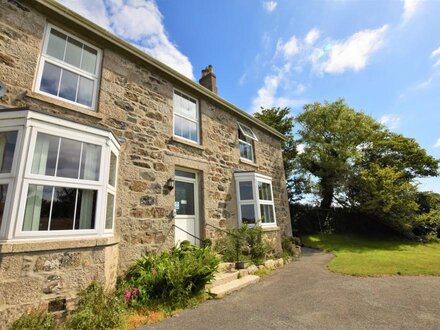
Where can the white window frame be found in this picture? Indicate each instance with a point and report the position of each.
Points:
(44, 57)
(31, 124)
(196, 121)
(253, 137)
(255, 178)
(9, 178)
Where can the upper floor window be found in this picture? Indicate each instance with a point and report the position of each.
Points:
(255, 199)
(246, 138)
(186, 117)
(69, 68)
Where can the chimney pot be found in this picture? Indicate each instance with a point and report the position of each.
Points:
(208, 79)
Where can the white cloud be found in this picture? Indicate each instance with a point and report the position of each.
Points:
(289, 48)
(350, 54)
(424, 84)
(410, 7)
(138, 22)
(270, 5)
(300, 148)
(437, 144)
(312, 36)
(437, 63)
(435, 52)
(392, 121)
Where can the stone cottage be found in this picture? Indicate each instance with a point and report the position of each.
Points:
(106, 153)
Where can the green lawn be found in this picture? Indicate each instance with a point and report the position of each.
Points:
(362, 256)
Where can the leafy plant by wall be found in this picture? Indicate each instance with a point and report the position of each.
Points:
(40, 320)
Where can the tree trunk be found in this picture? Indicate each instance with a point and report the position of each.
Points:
(327, 191)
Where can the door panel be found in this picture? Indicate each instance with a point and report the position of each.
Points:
(186, 205)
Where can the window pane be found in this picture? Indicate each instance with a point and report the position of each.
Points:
(85, 91)
(267, 214)
(69, 82)
(90, 162)
(193, 131)
(246, 151)
(45, 154)
(264, 191)
(185, 174)
(246, 192)
(86, 209)
(185, 128)
(3, 192)
(178, 126)
(89, 58)
(185, 197)
(248, 214)
(246, 131)
(50, 78)
(7, 148)
(185, 105)
(109, 212)
(63, 208)
(113, 166)
(37, 211)
(73, 52)
(56, 44)
(68, 160)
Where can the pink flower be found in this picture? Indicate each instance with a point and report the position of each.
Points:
(127, 295)
(135, 292)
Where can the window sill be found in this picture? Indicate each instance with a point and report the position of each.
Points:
(248, 162)
(270, 228)
(186, 142)
(51, 245)
(65, 105)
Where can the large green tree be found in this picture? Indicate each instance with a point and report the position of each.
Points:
(333, 136)
(281, 120)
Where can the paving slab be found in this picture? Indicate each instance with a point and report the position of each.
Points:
(306, 295)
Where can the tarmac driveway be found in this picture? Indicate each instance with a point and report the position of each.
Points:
(305, 295)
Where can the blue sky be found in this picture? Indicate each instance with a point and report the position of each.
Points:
(382, 56)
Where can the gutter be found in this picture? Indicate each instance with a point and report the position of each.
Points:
(59, 12)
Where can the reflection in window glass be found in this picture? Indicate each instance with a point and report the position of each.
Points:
(73, 52)
(85, 91)
(109, 212)
(185, 174)
(113, 166)
(185, 198)
(7, 148)
(246, 192)
(50, 79)
(51, 151)
(248, 214)
(185, 117)
(63, 208)
(267, 213)
(3, 192)
(68, 159)
(264, 191)
(56, 44)
(68, 86)
(38, 202)
(90, 161)
(89, 58)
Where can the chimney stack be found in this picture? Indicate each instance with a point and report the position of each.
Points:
(209, 79)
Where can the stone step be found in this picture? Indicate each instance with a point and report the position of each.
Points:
(223, 278)
(225, 266)
(235, 285)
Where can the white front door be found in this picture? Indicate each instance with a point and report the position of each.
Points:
(186, 204)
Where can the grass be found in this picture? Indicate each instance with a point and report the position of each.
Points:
(375, 256)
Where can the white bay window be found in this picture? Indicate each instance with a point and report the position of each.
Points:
(255, 199)
(63, 183)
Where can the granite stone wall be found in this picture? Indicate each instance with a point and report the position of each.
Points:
(135, 102)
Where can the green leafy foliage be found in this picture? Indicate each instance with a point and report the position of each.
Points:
(97, 310)
(40, 320)
(251, 245)
(281, 120)
(170, 280)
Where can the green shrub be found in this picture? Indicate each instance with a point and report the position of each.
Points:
(34, 320)
(252, 245)
(97, 310)
(170, 280)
